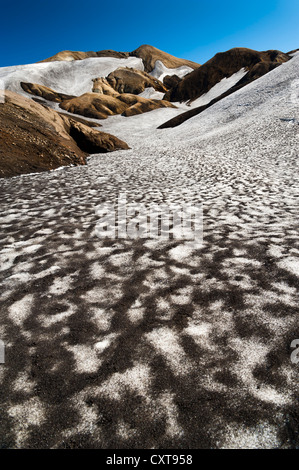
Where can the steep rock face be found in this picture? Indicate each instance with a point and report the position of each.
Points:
(223, 65)
(35, 138)
(129, 80)
(150, 55)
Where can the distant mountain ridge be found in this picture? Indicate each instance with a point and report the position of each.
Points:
(147, 53)
(114, 83)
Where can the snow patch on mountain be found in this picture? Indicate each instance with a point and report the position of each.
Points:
(152, 94)
(160, 71)
(69, 77)
(221, 87)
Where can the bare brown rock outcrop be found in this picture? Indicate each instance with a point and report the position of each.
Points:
(35, 138)
(170, 81)
(101, 86)
(44, 92)
(101, 106)
(79, 55)
(129, 80)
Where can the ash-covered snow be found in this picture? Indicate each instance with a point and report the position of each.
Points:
(152, 335)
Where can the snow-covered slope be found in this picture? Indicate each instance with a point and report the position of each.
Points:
(73, 78)
(221, 87)
(160, 70)
(201, 337)
(152, 94)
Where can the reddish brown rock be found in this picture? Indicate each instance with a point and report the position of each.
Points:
(35, 138)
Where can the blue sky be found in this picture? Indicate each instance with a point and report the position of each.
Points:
(195, 30)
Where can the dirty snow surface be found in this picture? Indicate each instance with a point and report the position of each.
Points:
(146, 343)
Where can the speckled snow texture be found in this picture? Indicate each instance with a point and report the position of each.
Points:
(144, 344)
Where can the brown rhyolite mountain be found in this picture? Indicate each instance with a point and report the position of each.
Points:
(79, 55)
(223, 65)
(148, 54)
(170, 81)
(35, 138)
